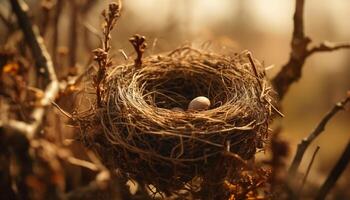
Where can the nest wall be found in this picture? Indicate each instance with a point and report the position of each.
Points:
(137, 132)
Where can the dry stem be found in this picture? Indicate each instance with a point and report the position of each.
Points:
(101, 54)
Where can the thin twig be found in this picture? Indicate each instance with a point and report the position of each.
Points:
(328, 46)
(123, 54)
(255, 70)
(260, 86)
(291, 71)
(304, 144)
(43, 60)
(335, 173)
(308, 169)
(69, 116)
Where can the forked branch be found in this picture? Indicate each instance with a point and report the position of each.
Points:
(291, 71)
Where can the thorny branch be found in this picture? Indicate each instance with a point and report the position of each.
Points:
(291, 71)
(304, 144)
(139, 44)
(101, 54)
(43, 60)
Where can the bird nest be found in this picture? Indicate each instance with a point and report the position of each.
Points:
(137, 132)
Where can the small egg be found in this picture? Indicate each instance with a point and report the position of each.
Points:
(199, 103)
(178, 109)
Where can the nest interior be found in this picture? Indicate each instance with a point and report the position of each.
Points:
(137, 132)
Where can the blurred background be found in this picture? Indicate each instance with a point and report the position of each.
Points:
(264, 27)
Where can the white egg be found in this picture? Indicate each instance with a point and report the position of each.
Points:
(178, 109)
(199, 103)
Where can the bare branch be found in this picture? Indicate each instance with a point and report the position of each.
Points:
(33, 38)
(335, 174)
(292, 70)
(328, 46)
(304, 144)
(43, 60)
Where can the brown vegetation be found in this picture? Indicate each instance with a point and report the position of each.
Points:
(128, 128)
